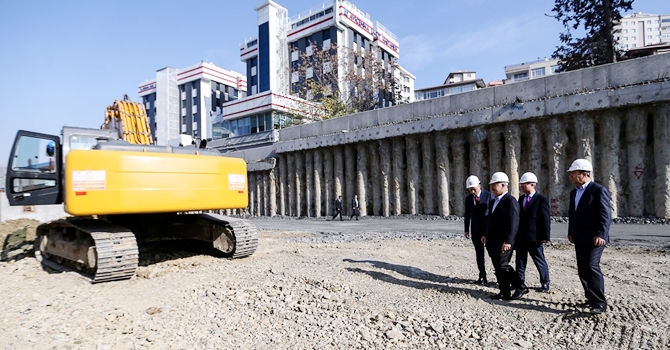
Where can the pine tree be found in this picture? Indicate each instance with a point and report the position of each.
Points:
(597, 19)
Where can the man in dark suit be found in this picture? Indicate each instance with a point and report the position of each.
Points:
(476, 220)
(503, 226)
(588, 228)
(338, 208)
(534, 230)
(356, 207)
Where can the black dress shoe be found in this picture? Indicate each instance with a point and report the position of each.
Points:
(519, 293)
(597, 309)
(482, 280)
(587, 305)
(545, 287)
(499, 296)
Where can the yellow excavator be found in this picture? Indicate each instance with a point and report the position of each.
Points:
(121, 189)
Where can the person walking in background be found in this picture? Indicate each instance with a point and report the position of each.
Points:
(590, 217)
(356, 207)
(534, 230)
(338, 208)
(503, 226)
(476, 220)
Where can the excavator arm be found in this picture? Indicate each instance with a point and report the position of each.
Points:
(130, 120)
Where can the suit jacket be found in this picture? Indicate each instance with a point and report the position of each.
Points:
(477, 214)
(535, 220)
(355, 205)
(338, 204)
(592, 217)
(503, 222)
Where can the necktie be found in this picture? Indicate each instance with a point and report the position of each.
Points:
(476, 199)
(525, 206)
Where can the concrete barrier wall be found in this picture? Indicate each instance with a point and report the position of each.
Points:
(414, 158)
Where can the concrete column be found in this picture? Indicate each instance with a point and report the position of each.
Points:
(349, 178)
(290, 189)
(266, 193)
(309, 183)
(557, 141)
(534, 154)
(375, 179)
(299, 183)
(251, 178)
(362, 176)
(328, 183)
(458, 150)
(272, 189)
(318, 172)
(398, 174)
(442, 160)
(476, 138)
(428, 182)
(228, 212)
(261, 194)
(585, 139)
(636, 142)
(386, 176)
(412, 148)
(610, 130)
(283, 184)
(662, 160)
(513, 153)
(496, 149)
(338, 169)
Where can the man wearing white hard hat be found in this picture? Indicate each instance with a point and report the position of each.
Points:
(534, 230)
(588, 228)
(476, 220)
(499, 240)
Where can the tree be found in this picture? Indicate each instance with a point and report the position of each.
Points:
(597, 19)
(341, 81)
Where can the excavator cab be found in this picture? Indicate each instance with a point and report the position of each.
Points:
(34, 172)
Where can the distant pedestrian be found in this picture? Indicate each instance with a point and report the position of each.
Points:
(338, 208)
(503, 226)
(590, 217)
(355, 206)
(534, 230)
(476, 220)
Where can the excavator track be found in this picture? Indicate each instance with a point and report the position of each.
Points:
(242, 235)
(98, 250)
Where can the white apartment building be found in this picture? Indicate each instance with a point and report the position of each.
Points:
(530, 70)
(642, 29)
(271, 57)
(456, 82)
(189, 101)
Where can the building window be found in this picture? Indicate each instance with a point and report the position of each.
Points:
(195, 101)
(195, 117)
(649, 37)
(649, 22)
(326, 34)
(633, 46)
(538, 72)
(554, 69)
(521, 76)
(633, 38)
(625, 31)
(632, 30)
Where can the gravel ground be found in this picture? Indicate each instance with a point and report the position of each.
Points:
(358, 287)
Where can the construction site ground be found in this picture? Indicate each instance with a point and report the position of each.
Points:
(320, 284)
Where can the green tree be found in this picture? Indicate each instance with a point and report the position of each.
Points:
(597, 18)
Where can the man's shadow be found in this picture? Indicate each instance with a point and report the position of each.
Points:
(441, 283)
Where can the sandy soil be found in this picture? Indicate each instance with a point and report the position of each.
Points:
(305, 290)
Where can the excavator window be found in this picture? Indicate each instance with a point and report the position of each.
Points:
(33, 155)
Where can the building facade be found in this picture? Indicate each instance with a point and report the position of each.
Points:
(530, 70)
(642, 29)
(190, 101)
(455, 83)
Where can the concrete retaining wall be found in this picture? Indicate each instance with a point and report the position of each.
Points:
(414, 158)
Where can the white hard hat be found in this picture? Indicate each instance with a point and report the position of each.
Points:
(499, 177)
(581, 164)
(528, 177)
(472, 181)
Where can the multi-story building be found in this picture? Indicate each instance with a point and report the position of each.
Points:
(455, 83)
(642, 29)
(530, 70)
(189, 101)
(271, 59)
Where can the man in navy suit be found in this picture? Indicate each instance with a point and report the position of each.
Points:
(590, 218)
(476, 214)
(503, 226)
(534, 230)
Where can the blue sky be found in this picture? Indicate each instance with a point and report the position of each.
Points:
(63, 62)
